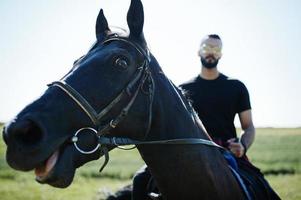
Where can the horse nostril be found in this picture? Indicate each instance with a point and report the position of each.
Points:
(25, 132)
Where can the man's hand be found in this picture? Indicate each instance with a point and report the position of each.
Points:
(236, 147)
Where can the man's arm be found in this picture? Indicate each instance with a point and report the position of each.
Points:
(247, 135)
(238, 148)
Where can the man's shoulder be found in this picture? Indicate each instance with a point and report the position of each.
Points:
(190, 83)
(232, 80)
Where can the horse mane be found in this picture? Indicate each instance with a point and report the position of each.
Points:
(181, 94)
(188, 104)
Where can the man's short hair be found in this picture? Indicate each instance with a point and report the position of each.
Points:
(214, 36)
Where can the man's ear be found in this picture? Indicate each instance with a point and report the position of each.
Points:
(102, 27)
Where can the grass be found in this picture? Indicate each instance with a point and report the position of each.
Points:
(277, 152)
(82, 188)
(287, 186)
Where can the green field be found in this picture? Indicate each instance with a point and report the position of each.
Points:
(277, 152)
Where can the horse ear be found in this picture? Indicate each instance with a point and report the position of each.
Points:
(135, 19)
(102, 27)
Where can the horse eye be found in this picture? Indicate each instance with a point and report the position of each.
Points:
(121, 62)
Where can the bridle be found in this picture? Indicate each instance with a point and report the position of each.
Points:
(142, 77)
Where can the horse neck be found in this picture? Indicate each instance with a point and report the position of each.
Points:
(173, 115)
(175, 167)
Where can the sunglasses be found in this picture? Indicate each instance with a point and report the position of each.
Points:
(205, 49)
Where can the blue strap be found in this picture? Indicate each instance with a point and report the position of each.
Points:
(230, 159)
(241, 183)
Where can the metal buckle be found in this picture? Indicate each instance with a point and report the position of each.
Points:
(75, 140)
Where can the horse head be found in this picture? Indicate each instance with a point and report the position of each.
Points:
(106, 89)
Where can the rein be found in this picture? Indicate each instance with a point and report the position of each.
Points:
(143, 75)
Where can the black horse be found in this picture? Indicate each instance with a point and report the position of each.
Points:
(119, 90)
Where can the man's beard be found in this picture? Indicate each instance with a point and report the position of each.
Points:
(209, 65)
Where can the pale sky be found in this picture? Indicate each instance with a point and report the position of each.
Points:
(40, 39)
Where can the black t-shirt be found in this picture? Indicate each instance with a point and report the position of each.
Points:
(216, 102)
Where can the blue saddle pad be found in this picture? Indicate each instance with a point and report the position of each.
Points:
(234, 169)
(231, 160)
